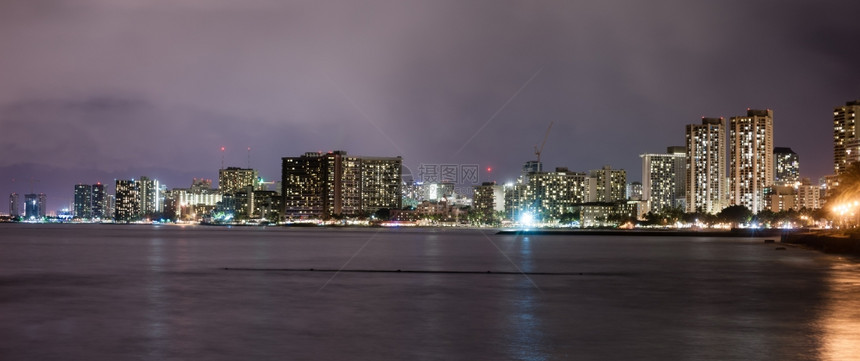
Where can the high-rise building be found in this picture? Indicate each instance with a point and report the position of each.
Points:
(234, 179)
(150, 193)
(14, 205)
(196, 199)
(321, 185)
(607, 185)
(489, 198)
(99, 200)
(35, 205)
(379, 183)
(43, 204)
(83, 206)
(532, 166)
(545, 195)
(634, 191)
(127, 206)
(663, 179)
(706, 165)
(779, 198)
(808, 195)
(786, 167)
(304, 182)
(846, 144)
(110, 206)
(751, 166)
(679, 153)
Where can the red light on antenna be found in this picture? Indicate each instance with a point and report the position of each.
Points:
(222, 149)
(489, 169)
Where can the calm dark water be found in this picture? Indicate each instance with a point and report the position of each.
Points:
(104, 292)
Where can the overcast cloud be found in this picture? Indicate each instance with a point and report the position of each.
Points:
(97, 88)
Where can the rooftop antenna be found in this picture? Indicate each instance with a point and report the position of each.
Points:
(222, 157)
(249, 157)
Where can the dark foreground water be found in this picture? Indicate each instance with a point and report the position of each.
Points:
(105, 292)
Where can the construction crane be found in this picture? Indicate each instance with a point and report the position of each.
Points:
(32, 184)
(538, 151)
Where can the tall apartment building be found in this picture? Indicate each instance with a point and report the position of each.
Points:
(634, 191)
(546, 195)
(99, 201)
(808, 195)
(14, 205)
(127, 202)
(380, 184)
(35, 205)
(786, 167)
(607, 185)
(706, 165)
(150, 193)
(233, 179)
(196, 199)
(751, 166)
(83, 206)
(663, 179)
(321, 185)
(846, 144)
(532, 166)
(779, 198)
(489, 198)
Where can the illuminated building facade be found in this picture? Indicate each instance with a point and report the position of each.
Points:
(99, 201)
(706, 166)
(786, 171)
(14, 205)
(322, 185)
(599, 214)
(35, 205)
(257, 204)
(663, 176)
(679, 153)
(846, 145)
(532, 166)
(234, 179)
(780, 198)
(607, 185)
(751, 167)
(150, 193)
(127, 206)
(380, 183)
(489, 198)
(545, 195)
(808, 195)
(303, 181)
(83, 206)
(195, 200)
(634, 191)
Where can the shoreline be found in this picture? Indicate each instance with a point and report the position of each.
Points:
(825, 241)
(654, 233)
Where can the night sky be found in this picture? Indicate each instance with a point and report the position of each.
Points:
(93, 90)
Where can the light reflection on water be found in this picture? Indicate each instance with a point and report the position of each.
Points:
(157, 323)
(141, 293)
(527, 332)
(840, 319)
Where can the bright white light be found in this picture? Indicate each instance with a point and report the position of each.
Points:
(527, 219)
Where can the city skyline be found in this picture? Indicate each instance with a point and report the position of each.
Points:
(617, 80)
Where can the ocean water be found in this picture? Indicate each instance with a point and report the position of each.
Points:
(106, 292)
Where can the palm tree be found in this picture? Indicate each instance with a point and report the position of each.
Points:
(844, 199)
